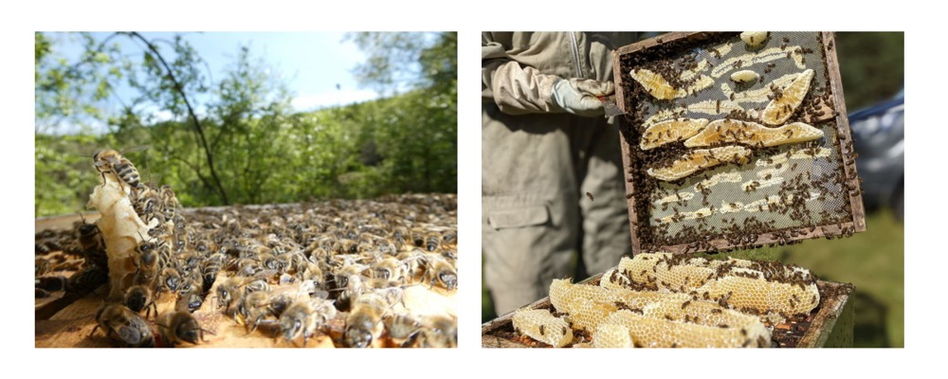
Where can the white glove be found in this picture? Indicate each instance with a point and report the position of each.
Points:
(581, 96)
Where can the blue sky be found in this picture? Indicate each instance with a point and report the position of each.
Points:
(311, 64)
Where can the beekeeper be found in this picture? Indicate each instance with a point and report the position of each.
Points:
(546, 144)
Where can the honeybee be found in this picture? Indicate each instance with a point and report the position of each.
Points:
(256, 286)
(442, 333)
(171, 279)
(188, 261)
(247, 267)
(414, 262)
(168, 200)
(209, 269)
(253, 308)
(110, 161)
(146, 201)
(362, 324)
(389, 268)
(121, 324)
(302, 318)
(138, 298)
(277, 264)
(400, 327)
(432, 242)
(440, 273)
(146, 261)
(189, 302)
(227, 293)
(87, 279)
(51, 283)
(180, 326)
(89, 236)
(42, 267)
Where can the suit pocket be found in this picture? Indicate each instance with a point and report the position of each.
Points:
(519, 217)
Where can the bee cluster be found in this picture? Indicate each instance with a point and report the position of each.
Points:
(663, 300)
(338, 268)
(78, 252)
(717, 162)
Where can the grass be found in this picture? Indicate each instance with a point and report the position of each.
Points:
(872, 261)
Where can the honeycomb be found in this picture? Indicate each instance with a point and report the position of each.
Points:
(612, 336)
(764, 296)
(542, 326)
(665, 300)
(654, 332)
(586, 314)
(699, 159)
(752, 133)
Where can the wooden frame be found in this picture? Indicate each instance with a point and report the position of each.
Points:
(837, 112)
(832, 324)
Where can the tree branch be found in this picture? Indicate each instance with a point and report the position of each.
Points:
(197, 123)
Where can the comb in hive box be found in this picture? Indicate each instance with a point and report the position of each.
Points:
(666, 300)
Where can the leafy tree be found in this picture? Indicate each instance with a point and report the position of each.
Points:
(262, 151)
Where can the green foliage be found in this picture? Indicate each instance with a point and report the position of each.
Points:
(872, 65)
(263, 152)
(408, 59)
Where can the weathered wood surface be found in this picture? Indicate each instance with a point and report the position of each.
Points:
(72, 326)
(832, 325)
(67, 320)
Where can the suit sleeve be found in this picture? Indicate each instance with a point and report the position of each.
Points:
(516, 89)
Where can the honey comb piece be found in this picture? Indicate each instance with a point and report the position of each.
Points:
(702, 313)
(542, 326)
(699, 159)
(753, 134)
(586, 314)
(683, 277)
(653, 332)
(754, 39)
(654, 84)
(763, 295)
(564, 295)
(781, 108)
(611, 336)
(641, 267)
(670, 131)
(745, 76)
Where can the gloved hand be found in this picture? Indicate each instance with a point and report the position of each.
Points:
(580, 96)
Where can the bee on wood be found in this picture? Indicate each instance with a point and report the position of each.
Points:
(179, 327)
(362, 322)
(441, 273)
(253, 308)
(124, 326)
(171, 279)
(401, 327)
(189, 302)
(303, 318)
(440, 333)
(138, 298)
(110, 161)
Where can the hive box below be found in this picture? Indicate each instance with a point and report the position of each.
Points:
(829, 325)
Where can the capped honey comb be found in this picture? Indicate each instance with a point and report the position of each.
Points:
(752, 134)
(671, 131)
(781, 108)
(699, 159)
(612, 336)
(542, 326)
(654, 332)
(665, 300)
(764, 296)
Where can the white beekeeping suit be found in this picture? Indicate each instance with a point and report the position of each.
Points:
(546, 144)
